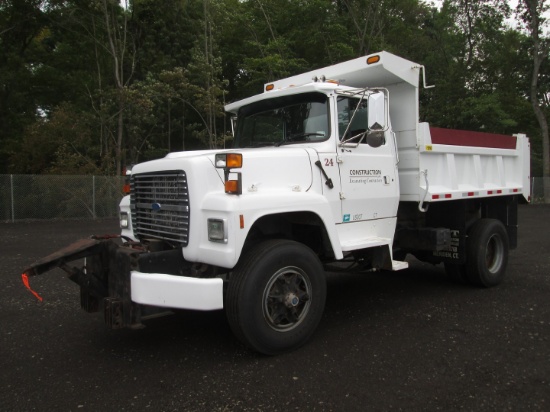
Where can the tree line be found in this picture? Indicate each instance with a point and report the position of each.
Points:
(89, 86)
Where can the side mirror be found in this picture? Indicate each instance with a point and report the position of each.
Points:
(377, 119)
(377, 111)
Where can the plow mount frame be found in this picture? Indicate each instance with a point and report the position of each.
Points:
(104, 280)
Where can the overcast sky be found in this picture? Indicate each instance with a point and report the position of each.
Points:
(513, 4)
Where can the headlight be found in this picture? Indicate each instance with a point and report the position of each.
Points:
(124, 222)
(217, 230)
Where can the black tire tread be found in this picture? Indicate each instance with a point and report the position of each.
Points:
(238, 278)
(481, 230)
(249, 258)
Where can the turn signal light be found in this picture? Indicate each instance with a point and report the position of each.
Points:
(127, 173)
(229, 160)
(234, 160)
(233, 187)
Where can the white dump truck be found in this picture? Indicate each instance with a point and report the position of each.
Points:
(329, 169)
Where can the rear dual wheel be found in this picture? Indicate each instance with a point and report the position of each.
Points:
(487, 250)
(276, 296)
(487, 253)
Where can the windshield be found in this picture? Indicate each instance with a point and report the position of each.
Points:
(284, 120)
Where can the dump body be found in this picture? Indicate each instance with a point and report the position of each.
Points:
(443, 165)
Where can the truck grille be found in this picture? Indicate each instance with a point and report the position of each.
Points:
(159, 204)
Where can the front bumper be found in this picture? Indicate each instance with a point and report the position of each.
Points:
(179, 292)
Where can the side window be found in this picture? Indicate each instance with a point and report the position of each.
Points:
(356, 132)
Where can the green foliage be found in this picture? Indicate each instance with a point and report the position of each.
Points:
(88, 86)
(64, 143)
(21, 22)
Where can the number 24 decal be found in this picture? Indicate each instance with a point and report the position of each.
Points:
(329, 162)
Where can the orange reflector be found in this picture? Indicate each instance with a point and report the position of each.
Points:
(232, 186)
(241, 221)
(234, 160)
(269, 87)
(126, 189)
(25, 279)
(373, 59)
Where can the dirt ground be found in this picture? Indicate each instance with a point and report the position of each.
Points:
(408, 340)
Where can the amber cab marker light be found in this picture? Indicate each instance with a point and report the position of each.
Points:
(269, 87)
(373, 59)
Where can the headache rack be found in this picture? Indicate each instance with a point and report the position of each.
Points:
(159, 205)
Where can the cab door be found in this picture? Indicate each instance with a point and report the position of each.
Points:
(367, 163)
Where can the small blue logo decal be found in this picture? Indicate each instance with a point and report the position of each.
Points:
(346, 218)
(155, 207)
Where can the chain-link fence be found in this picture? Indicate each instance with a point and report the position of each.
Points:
(538, 185)
(59, 197)
(92, 197)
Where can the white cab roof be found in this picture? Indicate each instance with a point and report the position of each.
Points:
(388, 70)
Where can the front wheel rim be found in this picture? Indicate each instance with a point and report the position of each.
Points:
(286, 299)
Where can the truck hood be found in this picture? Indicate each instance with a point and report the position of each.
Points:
(280, 168)
(270, 168)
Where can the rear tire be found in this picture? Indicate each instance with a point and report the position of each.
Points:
(276, 296)
(487, 252)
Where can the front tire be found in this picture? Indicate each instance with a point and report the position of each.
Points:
(487, 249)
(276, 296)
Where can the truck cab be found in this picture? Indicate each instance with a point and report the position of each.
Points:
(351, 154)
(314, 149)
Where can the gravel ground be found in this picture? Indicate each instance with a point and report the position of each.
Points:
(408, 340)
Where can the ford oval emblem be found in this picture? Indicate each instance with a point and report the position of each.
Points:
(155, 207)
